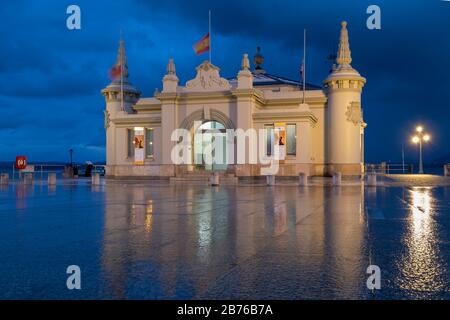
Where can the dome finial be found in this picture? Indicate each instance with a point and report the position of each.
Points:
(258, 59)
(344, 57)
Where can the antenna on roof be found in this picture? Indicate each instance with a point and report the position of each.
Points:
(303, 67)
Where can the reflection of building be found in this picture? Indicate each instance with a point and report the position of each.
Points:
(320, 136)
(157, 247)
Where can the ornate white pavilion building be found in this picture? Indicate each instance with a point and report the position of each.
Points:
(318, 131)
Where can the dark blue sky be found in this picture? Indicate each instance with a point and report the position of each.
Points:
(51, 77)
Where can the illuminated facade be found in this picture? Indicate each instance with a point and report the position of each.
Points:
(322, 134)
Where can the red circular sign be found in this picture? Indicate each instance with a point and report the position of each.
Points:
(21, 162)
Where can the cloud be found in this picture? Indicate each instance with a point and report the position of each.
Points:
(50, 77)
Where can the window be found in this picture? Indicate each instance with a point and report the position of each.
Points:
(130, 143)
(291, 145)
(149, 143)
(269, 139)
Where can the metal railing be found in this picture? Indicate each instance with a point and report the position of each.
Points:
(41, 170)
(389, 168)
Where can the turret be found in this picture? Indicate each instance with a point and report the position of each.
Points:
(120, 94)
(345, 138)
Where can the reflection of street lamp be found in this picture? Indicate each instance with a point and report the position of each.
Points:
(421, 136)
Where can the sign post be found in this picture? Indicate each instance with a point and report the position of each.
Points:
(20, 164)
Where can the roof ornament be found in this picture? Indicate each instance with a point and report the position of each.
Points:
(122, 58)
(171, 67)
(258, 58)
(245, 64)
(344, 54)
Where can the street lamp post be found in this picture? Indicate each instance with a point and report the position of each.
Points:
(71, 157)
(418, 139)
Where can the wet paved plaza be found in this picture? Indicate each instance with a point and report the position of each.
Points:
(155, 240)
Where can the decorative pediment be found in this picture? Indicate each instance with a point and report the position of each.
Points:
(207, 79)
(354, 113)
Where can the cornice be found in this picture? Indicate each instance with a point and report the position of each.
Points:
(286, 116)
(137, 120)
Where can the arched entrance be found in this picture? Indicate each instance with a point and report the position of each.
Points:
(210, 146)
(210, 120)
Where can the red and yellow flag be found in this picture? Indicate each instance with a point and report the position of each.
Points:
(115, 72)
(202, 45)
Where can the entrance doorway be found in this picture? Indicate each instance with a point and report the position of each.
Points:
(205, 146)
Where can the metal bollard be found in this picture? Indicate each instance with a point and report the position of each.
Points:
(214, 179)
(270, 180)
(51, 178)
(302, 179)
(372, 180)
(337, 178)
(28, 178)
(4, 179)
(95, 179)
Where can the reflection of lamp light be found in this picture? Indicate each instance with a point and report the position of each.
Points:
(421, 261)
(148, 216)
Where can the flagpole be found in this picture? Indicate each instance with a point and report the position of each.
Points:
(121, 84)
(209, 31)
(121, 71)
(304, 63)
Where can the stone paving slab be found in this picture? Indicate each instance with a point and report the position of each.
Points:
(156, 240)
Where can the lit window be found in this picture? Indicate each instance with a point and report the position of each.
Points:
(291, 145)
(130, 143)
(269, 139)
(149, 143)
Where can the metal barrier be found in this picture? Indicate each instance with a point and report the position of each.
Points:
(42, 170)
(389, 168)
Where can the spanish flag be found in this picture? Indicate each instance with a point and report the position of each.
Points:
(115, 72)
(202, 45)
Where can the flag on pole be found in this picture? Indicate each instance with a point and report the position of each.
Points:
(115, 72)
(202, 45)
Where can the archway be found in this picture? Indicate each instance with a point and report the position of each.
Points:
(206, 146)
(210, 119)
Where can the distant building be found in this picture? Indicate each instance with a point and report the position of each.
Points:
(323, 135)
